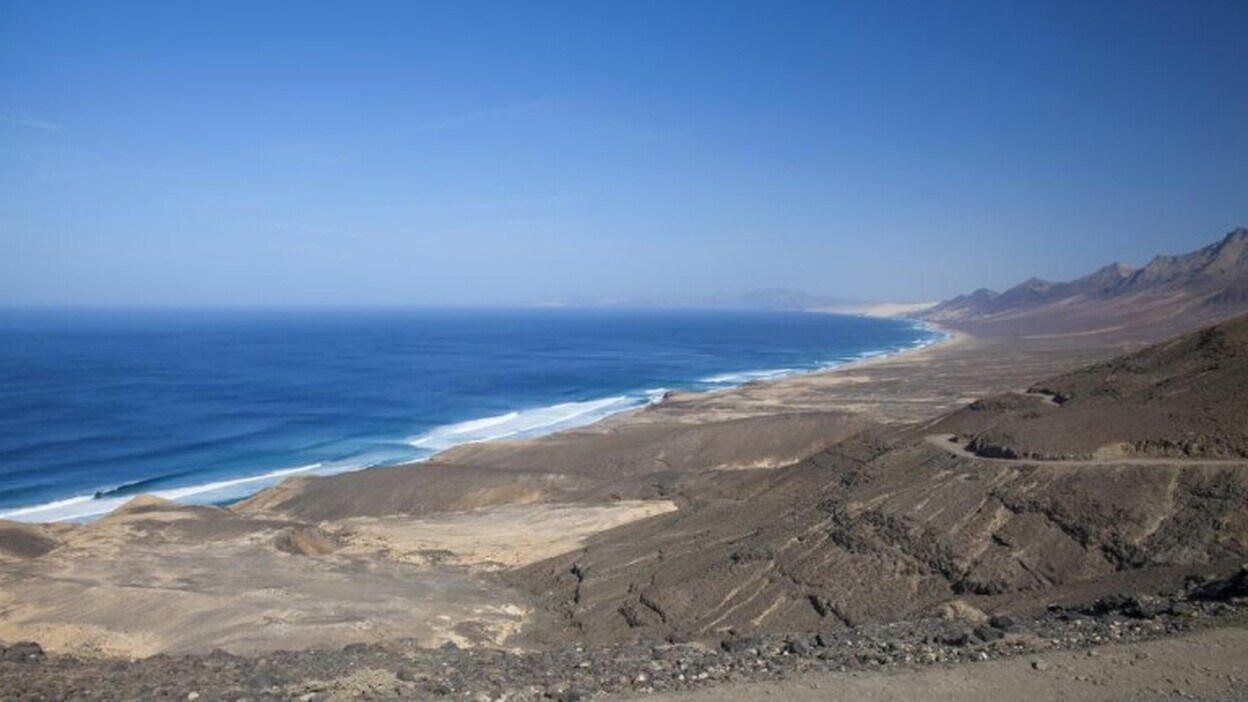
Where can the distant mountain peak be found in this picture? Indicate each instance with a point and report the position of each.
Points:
(1236, 241)
(1119, 270)
(781, 298)
(1030, 287)
(1108, 276)
(1206, 283)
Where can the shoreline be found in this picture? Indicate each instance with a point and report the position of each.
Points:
(656, 397)
(491, 544)
(949, 338)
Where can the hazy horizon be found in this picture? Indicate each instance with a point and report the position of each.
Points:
(495, 154)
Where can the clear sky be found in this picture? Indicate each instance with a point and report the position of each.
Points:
(459, 153)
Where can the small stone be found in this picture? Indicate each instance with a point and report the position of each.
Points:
(741, 644)
(958, 639)
(261, 681)
(1142, 607)
(987, 633)
(1182, 609)
(1039, 665)
(799, 647)
(23, 651)
(192, 696)
(1002, 622)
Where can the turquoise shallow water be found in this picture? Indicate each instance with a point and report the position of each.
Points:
(211, 406)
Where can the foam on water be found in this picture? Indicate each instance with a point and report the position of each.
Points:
(330, 444)
(95, 505)
(515, 424)
(530, 422)
(747, 376)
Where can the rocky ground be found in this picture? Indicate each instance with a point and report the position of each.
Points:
(400, 670)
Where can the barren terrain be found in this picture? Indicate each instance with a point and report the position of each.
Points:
(1020, 479)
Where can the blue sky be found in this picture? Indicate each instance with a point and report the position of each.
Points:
(408, 153)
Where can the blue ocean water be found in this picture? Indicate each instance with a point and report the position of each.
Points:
(211, 406)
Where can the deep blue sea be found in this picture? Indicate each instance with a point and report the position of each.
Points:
(211, 406)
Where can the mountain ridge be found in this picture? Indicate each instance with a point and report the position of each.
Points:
(1205, 285)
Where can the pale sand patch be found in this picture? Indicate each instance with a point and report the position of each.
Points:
(133, 586)
(136, 597)
(494, 538)
(879, 309)
(878, 388)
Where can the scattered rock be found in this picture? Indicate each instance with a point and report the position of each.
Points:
(987, 633)
(741, 644)
(1002, 622)
(959, 639)
(22, 652)
(1222, 589)
(799, 647)
(403, 670)
(262, 681)
(1181, 609)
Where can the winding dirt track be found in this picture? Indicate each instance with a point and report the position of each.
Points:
(949, 444)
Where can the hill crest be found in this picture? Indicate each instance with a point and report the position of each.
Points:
(1172, 292)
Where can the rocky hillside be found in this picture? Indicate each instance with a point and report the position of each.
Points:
(1172, 293)
(1187, 397)
(898, 524)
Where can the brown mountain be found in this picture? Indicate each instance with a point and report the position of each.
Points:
(1171, 294)
(1184, 398)
(895, 524)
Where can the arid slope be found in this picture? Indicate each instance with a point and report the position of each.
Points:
(889, 525)
(1185, 398)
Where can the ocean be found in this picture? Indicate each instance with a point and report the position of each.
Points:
(208, 407)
